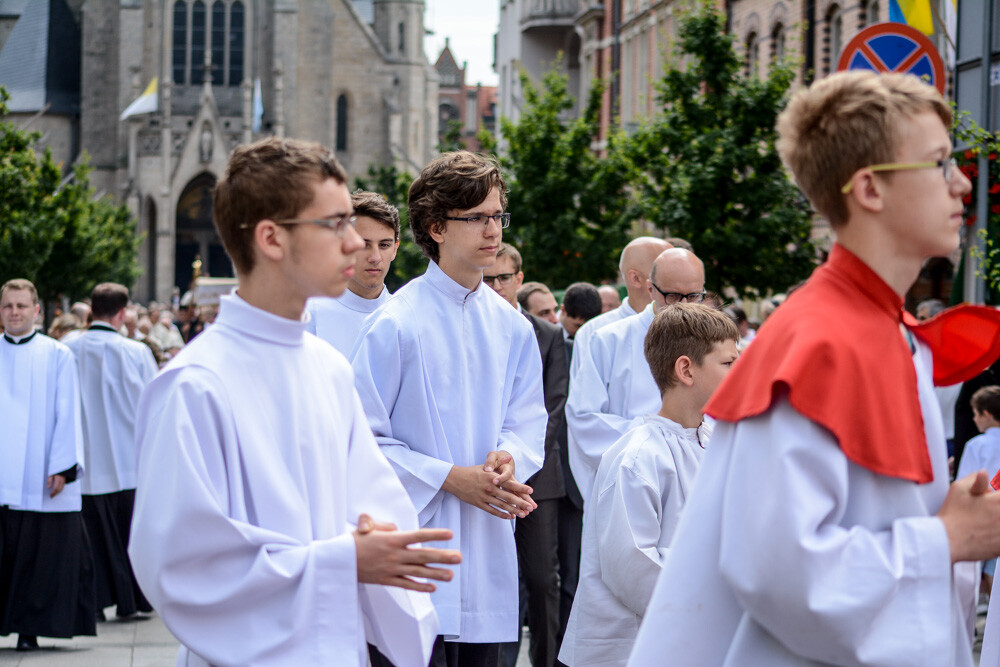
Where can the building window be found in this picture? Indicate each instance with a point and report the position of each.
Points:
(833, 39)
(197, 43)
(402, 37)
(236, 20)
(180, 42)
(342, 123)
(219, 31)
(753, 55)
(873, 13)
(778, 43)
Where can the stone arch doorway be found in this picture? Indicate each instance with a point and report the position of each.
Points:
(196, 235)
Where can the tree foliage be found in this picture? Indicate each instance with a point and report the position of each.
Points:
(55, 232)
(706, 169)
(568, 206)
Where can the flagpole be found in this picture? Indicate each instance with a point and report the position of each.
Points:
(944, 27)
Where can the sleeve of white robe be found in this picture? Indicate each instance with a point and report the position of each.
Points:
(523, 432)
(628, 523)
(67, 432)
(592, 427)
(827, 593)
(213, 579)
(970, 462)
(378, 374)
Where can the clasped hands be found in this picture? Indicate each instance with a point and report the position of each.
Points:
(491, 487)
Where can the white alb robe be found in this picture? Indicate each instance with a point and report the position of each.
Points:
(446, 376)
(639, 491)
(790, 554)
(113, 372)
(613, 386)
(41, 432)
(255, 460)
(338, 321)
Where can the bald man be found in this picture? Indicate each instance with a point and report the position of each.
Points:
(613, 384)
(610, 299)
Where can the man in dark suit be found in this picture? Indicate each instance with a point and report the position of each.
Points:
(537, 534)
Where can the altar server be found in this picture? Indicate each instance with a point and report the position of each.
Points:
(46, 574)
(451, 379)
(642, 484)
(255, 458)
(821, 528)
(613, 384)
(338, 321)
(113, 372)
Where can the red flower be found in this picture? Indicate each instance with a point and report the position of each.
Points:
(995, 208)
(967, 199)
(995, 188)
(971, 220)
(969, 154)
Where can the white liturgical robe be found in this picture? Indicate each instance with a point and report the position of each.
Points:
(613, 386)
(631, 516)
(446, 376)
(255, 460)
(788, 553)
(40, 413)
(583, 335)
(113, 372)
(338, 321)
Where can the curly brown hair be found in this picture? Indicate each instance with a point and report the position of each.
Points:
(455, 181)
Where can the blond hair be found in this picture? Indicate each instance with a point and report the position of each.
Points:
(845, 122)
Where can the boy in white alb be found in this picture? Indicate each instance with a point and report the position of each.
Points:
(451, 379)
(256, 461)
(822, 529)
(642, 483)
(338, 321)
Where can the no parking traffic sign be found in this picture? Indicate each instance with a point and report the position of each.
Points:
(894, 47)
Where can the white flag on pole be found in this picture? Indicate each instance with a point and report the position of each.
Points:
(258, 106)
(145, 103)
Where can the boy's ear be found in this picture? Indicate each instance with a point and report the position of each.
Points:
(268, 241)
(867, 191)
(684, 370)
(436, 230)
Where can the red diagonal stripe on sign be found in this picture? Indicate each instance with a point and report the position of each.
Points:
(873, 58)
(911, 60)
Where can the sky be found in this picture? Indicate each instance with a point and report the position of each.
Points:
(470, 25)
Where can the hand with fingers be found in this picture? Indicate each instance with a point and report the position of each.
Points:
(57, 483)
(492, 487)
(385, 555)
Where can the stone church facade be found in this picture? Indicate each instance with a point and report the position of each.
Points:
(349, 74)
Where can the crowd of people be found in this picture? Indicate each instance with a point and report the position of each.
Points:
(322, 472)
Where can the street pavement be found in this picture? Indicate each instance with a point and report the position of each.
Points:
(134, 643)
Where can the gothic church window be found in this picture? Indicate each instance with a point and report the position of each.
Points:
(218, 29)
(402, 37)
(341, 144)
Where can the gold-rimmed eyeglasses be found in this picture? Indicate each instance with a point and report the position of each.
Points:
(945, 165)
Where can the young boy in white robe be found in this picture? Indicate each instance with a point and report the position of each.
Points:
(451, 379)
(822, 528)
(642, 483)
(338, 321)
(255, 459)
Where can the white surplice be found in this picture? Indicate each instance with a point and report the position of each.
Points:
(639, 491)
(790, 554)
(41, 432)
(612, 387)
(338, 320)
(255, 460)
(113, 372)
(446, 376)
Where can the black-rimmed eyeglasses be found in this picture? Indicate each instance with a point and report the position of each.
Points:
(484, 220)
(502, 278)
(676, 297)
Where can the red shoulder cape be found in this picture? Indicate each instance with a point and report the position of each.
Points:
(835, 347)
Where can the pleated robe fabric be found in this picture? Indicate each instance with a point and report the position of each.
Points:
(255, 461)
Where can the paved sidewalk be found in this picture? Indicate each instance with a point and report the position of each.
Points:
(145, 642)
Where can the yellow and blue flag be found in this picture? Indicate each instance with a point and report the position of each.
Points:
(914, 13)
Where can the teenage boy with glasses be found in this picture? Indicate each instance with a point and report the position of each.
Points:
(451, 378)
(822, 528)
(614, 385)
(255, 458)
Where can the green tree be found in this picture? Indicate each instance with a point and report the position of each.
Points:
(569, 208)
(706, 168)
(55, 232)
(452, 138)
